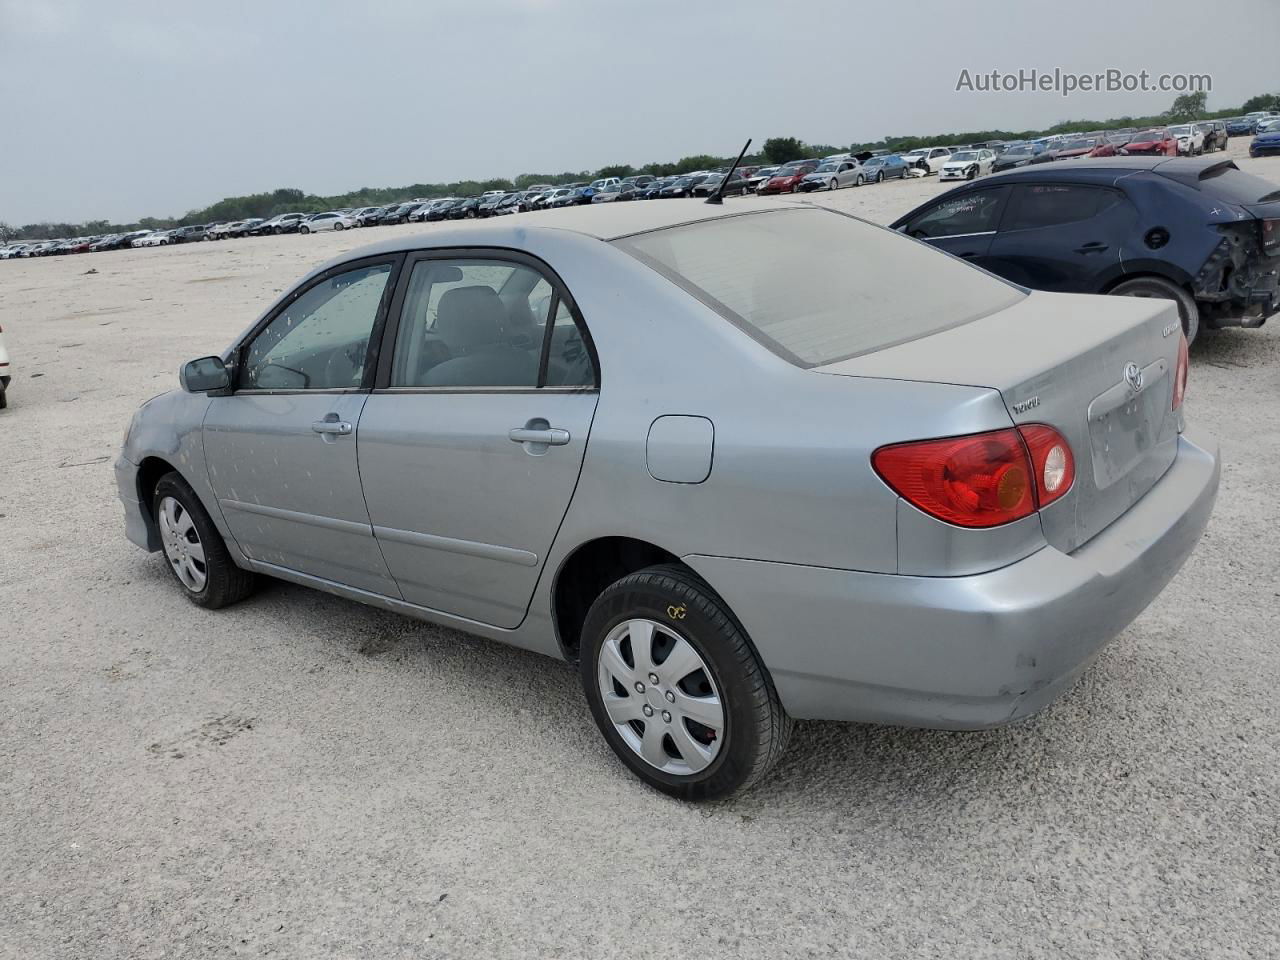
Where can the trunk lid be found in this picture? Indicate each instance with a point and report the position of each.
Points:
(1098, 369)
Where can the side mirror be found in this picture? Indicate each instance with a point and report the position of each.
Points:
(205, 375)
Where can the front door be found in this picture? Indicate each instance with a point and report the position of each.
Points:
(282, 448)
(471, 446)
(962, 223)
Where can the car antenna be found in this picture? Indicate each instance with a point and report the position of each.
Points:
(718, 196)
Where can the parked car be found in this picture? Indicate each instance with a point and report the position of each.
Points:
(713, 570)
(640, 179)
(1079, 147)
(1215, 135)
(603, 182)
(6, 371)
(928, 159)
(571, 197)
(1196, 231)
(241, 228)
(760, 177)
(1157, 141)
(885, 167)
(1190, 139)
(1240, 127)
(466, 209)
(488, 204)
(439, 209)
(510, 204)
(281, 223)
(787, 177)
(1021, 155)
(681, 186)
(319, 222)
(834, 174)
(615, 192)
(397, 213)
(735, 187)
(189, 234)
(154, 238)
(1267, 140)
(967, 165)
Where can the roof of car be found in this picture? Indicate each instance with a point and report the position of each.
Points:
(1183, 169)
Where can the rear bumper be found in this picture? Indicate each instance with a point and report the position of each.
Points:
(965, 652)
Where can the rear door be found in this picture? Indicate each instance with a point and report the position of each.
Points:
(281, 449)
(962, 223)
(471, 445)
(1064, 237)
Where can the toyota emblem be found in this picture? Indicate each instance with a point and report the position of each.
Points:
(1133, 376)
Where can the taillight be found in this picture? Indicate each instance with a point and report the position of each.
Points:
(1180, 373)
(980, 480)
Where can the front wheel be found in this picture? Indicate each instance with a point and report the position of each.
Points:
(1161, 289)
(834, 184)
(880, 177)
(196, 555)
(676, 688)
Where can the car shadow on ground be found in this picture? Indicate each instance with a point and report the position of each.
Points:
(834, 765)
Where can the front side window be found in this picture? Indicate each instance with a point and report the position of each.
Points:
(480, 323)
(321, 339)
(976, 211)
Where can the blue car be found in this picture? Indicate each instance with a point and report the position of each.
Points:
(878, 169)
(1241, 126)
(1267, 140)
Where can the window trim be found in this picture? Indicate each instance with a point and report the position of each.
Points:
(240, 349)
(1002, 188)
(559, 293)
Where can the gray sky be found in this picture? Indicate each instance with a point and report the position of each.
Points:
(125, 108)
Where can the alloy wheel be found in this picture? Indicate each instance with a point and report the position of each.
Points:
(661, 697)
(182, 546)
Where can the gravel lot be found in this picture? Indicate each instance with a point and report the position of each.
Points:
(301, 776)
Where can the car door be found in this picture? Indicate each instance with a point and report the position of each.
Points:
(1061, 236)
(471, 444)
(281, 449)
(961, 223)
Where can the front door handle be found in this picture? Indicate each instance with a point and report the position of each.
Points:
(551, 436)
(1094, 247)
(331, 425)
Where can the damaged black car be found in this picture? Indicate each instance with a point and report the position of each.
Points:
(1198, 231)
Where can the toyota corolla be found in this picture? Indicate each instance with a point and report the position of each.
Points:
(740, 464)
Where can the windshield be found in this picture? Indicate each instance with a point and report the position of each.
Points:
(1272, 126)
(828, 167)
(1147, 135)
(964, 156)
(790, 170)
(1021, 150)
(1080, 145)
(816, 286)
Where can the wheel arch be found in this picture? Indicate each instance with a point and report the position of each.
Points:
(1143, 269)
(584, 574)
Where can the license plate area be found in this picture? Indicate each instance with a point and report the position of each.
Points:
(1125, 425)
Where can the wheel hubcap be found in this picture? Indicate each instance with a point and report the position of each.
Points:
(660, 696)
(182, 546)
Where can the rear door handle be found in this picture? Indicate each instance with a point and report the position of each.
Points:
(1094, 247)
(552, 436)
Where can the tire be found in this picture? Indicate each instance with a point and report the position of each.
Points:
(338, 226)
(1163, 289)
(879, 176)
(742, 192)
(4, 400)
(278, 230)
(834, 184)
(859, 180)
(223, 582)
(686, 617)
(971, 173)
(304, 229)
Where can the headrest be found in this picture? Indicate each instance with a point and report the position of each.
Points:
(470, 317)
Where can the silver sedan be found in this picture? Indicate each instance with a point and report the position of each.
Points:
(741, 464)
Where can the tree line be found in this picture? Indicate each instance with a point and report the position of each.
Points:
(775, 150)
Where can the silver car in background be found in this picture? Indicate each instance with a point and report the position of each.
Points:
(741, 464)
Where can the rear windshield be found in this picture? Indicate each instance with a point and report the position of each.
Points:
(816, 286)
(1235, 186)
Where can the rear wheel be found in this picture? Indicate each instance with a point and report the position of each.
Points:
(338, 226)
(676, 689)
(193, 548)
(1162, 289)
(304, 229)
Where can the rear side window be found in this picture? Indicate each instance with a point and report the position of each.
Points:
(1036, 205)
(815, 286)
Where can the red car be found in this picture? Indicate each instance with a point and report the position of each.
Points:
(788, 178)
(1083, 147)
(1158, 142)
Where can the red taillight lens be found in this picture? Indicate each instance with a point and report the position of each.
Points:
(981, 480)
(1180, 374)
(1052, 463)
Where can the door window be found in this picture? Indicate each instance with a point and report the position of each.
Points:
(321, 339)
(484, 323)
(1040, 205)
(972, 212)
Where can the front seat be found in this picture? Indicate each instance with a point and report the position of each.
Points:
(470, 321)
